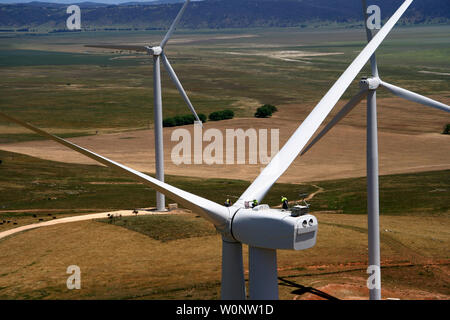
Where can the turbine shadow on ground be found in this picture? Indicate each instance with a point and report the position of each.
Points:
(302, 289)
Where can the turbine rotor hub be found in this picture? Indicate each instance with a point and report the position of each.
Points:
(154, 51)
(370, 83)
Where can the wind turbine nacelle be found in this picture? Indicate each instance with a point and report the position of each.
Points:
(268, 228)
(369, 83)
(155, 51)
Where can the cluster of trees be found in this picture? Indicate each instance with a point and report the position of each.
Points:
(265, 111)
(221, 115)
(182, 120)
(189, 118)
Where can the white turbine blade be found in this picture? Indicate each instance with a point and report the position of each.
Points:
(411, 96)
(174, 25)
(118, 47)
(283, 159)
(178, 84)
(210, 210)
(373, 59)
(344, 111)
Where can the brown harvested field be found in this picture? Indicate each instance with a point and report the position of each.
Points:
(409, 138)
(117, 263)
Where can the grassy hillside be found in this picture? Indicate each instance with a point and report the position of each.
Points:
(29, 183)
(119, 263)
(216, 14)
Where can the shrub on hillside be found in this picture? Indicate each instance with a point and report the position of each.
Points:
(446, 129)
(215, 116)
(228, 114)
(265, 111)
(270, 107)
(202, 117)
(221, 115)
(179, 120)
(169, 122)
(188, 119)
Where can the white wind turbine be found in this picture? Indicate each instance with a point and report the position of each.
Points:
(369, 88)
(158, 54)
(263, 229)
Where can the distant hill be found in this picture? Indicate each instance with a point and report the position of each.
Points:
(99, 2)
(216, 13)
(152, 3)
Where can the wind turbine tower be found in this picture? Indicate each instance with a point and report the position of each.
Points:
(158, 55)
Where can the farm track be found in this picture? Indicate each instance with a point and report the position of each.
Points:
(92, 216)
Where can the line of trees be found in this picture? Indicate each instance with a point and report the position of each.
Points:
(182, 120)
(265, 111)
(188, 119)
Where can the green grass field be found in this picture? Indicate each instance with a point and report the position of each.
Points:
(166, 228)
(53, 81)
(30, 183)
